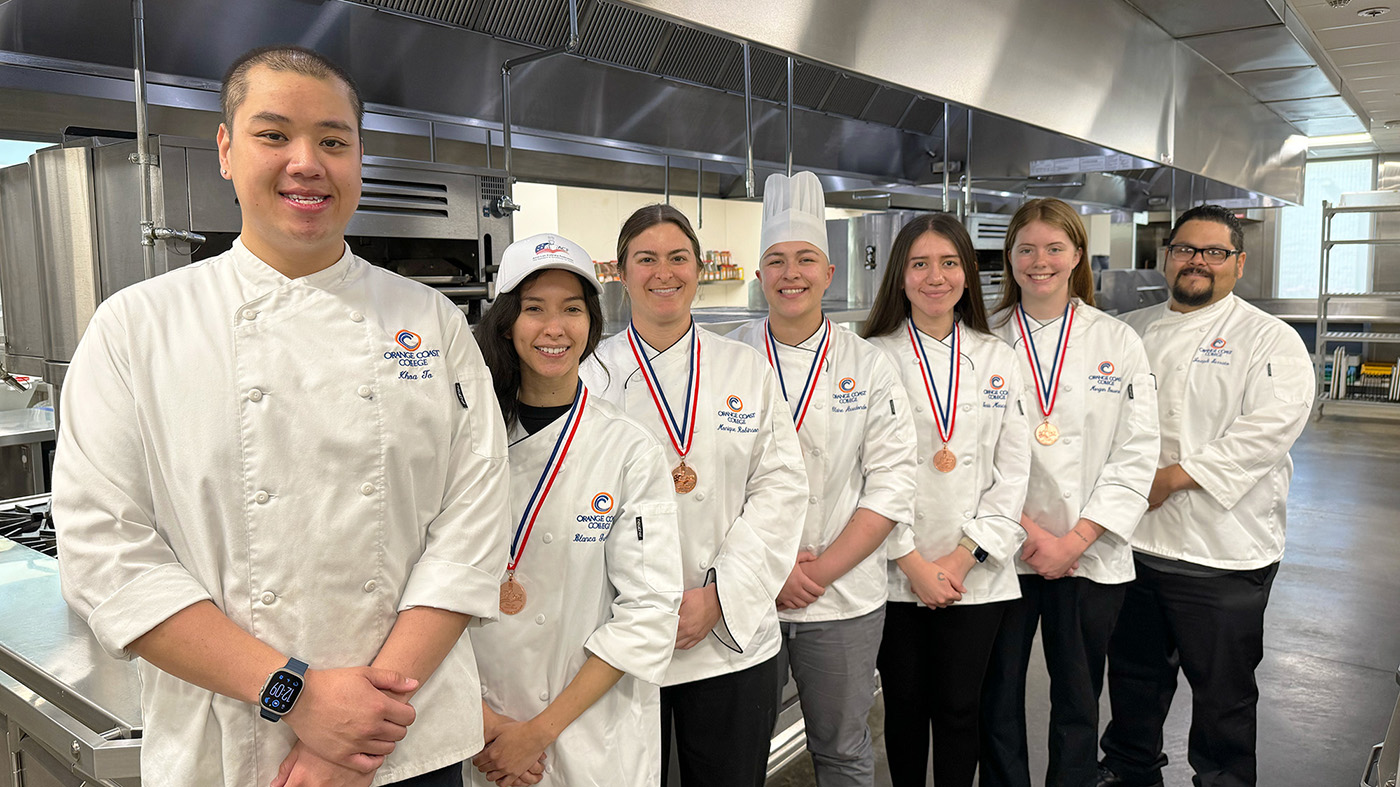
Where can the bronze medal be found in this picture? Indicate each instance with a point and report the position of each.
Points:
(512, 596)
(944, 461)
(1047, 433)
(683, 477)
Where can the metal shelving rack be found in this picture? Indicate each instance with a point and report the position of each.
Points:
(1326, 401)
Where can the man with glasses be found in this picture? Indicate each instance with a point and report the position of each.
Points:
(1235, 386)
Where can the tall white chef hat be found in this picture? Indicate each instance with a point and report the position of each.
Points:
(541, 252)
(794, 209)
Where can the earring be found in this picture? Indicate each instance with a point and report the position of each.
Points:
(223, 172)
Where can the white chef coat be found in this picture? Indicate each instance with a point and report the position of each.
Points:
(737, 527)
(858, 447)
(1102, 466)
(981, 497)
(1236, 387)
(314, 455)
(602, 575)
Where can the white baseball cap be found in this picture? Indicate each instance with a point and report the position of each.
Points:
(542, 252)
(794, 209)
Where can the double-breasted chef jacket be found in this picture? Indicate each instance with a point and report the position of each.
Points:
(981, 497)
(1101, 467)
(314, 455)
(1235, 389)
(858, 447)
(737, 526)
(602, 576)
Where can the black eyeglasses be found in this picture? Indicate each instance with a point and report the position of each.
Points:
(1180, 252)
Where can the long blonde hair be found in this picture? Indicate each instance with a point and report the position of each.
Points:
(1057, 214)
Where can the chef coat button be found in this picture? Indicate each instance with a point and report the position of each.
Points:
(544, 696)
(921, 460)
(1066, 495)
(261, 497)
(1174, 456)
(1171, 411)
(812, 500)
(356, 317)
(1067, 440)
(919, 515)
(255, 395)
(1201, 329)
(250, 314)
(700, 565)
(918, 408)
(366, 489)
(269, 597)
(699, 495)
(967, 515)
(539, 619)
(364, 391)
(1067, 387)
(1180, 366)
(819, 405)
(370, 586)
(810, 548)
(966, 407)
(967, 460)
(483, 689)
(816, 452)
(548, 538)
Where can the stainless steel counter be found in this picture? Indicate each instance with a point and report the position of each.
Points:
(65, 703)
(723, 319)
(19, 427)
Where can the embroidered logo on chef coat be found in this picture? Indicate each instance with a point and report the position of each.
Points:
(848, 398)
(1217, 353)
(1106, 381)
(596, 526)
(995, 394)
(413, 360)
(846, 384)
(734, 419)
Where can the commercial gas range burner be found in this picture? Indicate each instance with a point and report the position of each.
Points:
(27, 522)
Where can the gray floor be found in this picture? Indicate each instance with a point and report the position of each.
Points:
(1332, 637)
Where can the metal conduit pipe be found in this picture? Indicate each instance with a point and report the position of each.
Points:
(504, 204)
(789, 117)
(699, 193)
(947, 176)
(967, 171)
(145, 162)
(666, 181)
(748, 125)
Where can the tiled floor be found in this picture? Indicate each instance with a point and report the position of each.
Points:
(1332, 637)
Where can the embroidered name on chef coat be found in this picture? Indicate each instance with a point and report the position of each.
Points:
(413, 359)
(850, 397)
(1105, 379)
(733, 418)
(1217, 352)
(597, 524)
(994, 394)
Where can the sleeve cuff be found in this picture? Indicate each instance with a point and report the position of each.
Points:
(1227, 486)
(1001, 536)
(899, 542)
(143, 604)
(888, 503)
(454, 587)
(636, 642)
(1117, 509)
(740, 607)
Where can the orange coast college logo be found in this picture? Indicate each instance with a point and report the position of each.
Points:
(847, 384)
(1106, 368)
(997, 382)
(602, 503)
(735, 403)
(408, 340)
(1218, 343)
(733, 419)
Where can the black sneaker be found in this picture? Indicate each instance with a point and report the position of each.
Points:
(1108, 778)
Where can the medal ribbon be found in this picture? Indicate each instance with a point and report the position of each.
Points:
(1046, 390)
(681, 434)
(809, 389)
(945, 417)
(546, 482)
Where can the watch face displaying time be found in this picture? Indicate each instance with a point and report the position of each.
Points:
(281, 691)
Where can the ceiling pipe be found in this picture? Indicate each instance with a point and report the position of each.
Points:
(789, 117)
(947, 176)
(748, 125)
(505, 204)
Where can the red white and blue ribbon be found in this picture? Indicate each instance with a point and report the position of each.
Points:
(945, 415)
(546, 482)
(1047, 388)
(809, 388)
(683, 433)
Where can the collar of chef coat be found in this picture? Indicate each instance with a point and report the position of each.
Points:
(679, 349)
(266, 278)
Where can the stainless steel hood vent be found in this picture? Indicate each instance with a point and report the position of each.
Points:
(403, 198)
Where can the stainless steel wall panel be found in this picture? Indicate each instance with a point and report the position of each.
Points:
(1252, 49)
(65, 221)
(1278, 84)
(1182, 18)
(20, 277)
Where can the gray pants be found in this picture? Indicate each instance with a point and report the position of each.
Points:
(833, 663)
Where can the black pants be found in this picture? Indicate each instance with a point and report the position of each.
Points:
(723, 725)
(1076, 618)
(1212, 628)
(451, 776)
(931, 664)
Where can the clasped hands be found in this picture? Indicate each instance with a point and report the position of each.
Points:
(1052, 557)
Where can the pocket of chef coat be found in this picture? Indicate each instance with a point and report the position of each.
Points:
(475, 395)
(1143, 386)
(1285, 374)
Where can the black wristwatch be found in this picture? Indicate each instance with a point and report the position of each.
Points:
(978, 553)
(281, 690)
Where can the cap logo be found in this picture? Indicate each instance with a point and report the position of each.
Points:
(550, 246)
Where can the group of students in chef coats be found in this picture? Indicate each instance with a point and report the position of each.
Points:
(695, 515)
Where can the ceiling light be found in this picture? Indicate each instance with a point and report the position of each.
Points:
(1339, 139)
(1337, 3)
(1392, 124)
(1373, 12)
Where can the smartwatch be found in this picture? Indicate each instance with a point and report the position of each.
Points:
(281, 690)
(978, 553)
